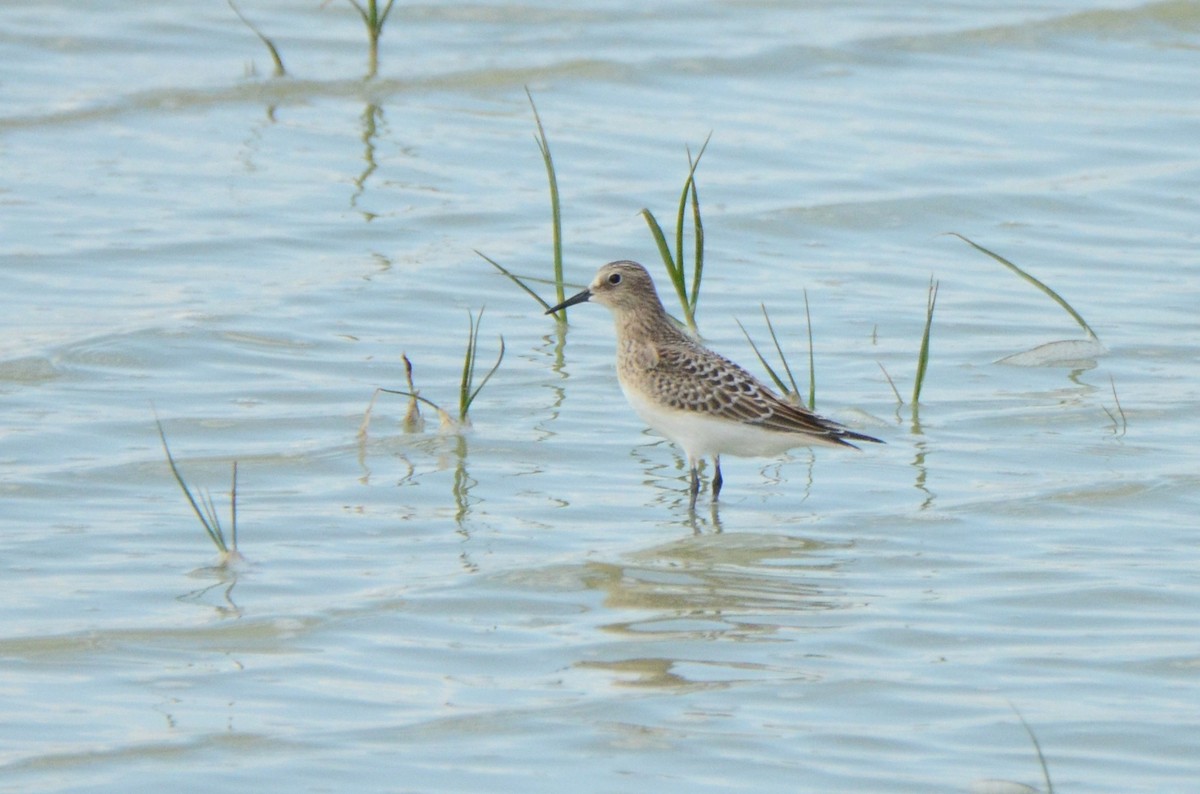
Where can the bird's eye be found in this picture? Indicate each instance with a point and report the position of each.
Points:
(614, 279)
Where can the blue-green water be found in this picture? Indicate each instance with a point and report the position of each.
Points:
(527, 605)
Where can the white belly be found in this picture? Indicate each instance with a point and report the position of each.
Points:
(702, 436)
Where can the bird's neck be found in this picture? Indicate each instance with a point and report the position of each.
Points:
(651, 323)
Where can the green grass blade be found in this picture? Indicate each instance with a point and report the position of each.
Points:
(467, 390)
(892, 383)
(698, 264)
(697, 227)
(923, 356)
(279, 70)
(674, 271)
(688, 186)
(371, 16)
(679, 274)
(1037, 748)
(660, 240)
(812, 364)
(210, 509)
(233, 507)
(486, 378)
(362, 12)
(688, 197)
(555, 205)
(1042, 286)
(517, 280)
(216, 537)
(770, 371)
(468, 373)
(382, 18)
(413, 395)
(779, 350)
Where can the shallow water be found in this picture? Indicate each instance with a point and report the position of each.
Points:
(527, 604)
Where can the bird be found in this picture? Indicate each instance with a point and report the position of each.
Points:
(701, 401)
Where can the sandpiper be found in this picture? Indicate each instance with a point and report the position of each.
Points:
(703, 402)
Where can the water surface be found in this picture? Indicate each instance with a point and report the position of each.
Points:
(527, 604)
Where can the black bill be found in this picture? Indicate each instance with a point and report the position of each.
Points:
(580, 298)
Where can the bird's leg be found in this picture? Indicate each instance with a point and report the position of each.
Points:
(718, 481)
(695, 487)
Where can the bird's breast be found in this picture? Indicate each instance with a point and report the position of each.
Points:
(635, 356)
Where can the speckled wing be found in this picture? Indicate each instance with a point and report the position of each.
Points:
(693, 378)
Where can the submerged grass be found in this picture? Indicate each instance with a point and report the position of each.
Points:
(1041, 286)
(688, 296)
(205, 509)
(1119, 427)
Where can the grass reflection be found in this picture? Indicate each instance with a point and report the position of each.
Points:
(372, 119)
(741, 587)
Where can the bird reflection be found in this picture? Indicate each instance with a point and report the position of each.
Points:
(745, 588)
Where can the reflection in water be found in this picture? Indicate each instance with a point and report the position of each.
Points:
(664, 476)
(714, 520)
(463, 483)
(711, 587)
(227, 578)
(452, 452)
(252, 144)
(922, 474)
(922, 448)
(918, 463)
(773, 473)
(414, 424)
(671, 480)
(552, 347)
(1120, 423)
(646, 672)
(372, 119)
(1078, 353)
